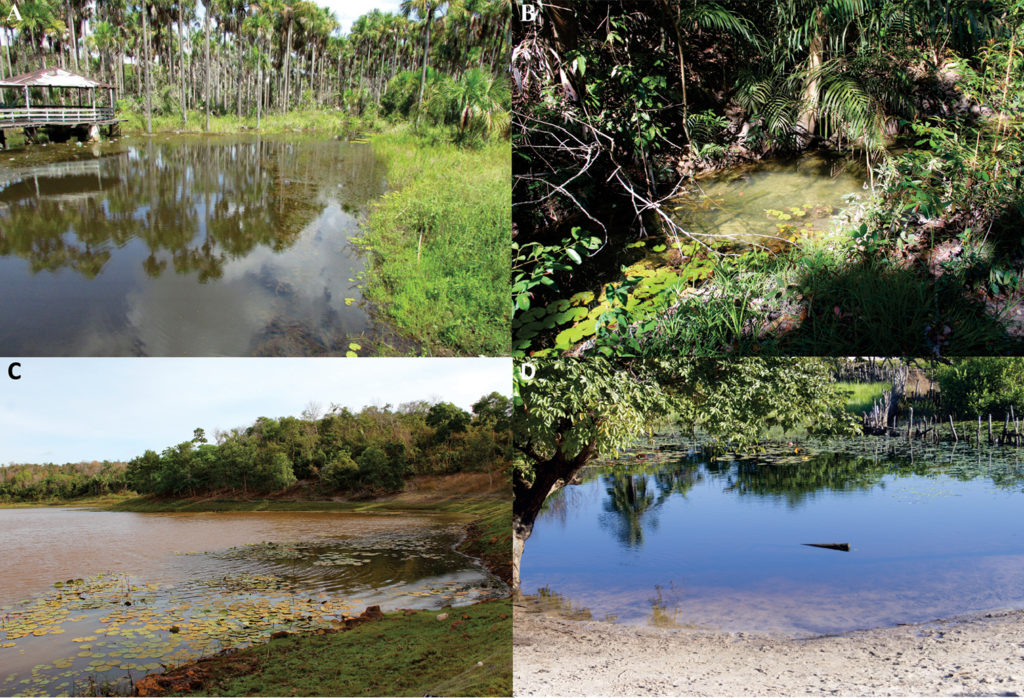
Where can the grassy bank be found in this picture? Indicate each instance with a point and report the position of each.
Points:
(468, 652)
(862, 395)
(440, 243)
(312, 121)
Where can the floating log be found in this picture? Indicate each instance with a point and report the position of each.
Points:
(845, 547)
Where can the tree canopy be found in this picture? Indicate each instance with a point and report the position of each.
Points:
(372, 451)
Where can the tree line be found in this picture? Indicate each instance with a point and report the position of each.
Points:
(365, 453)
(25, 482)
(252, 58)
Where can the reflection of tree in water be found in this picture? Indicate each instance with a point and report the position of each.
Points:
(553, 603)
(794, 477)
(630, 496)
(677, 478)
(195, 204)
(628, 500)
(796, 480)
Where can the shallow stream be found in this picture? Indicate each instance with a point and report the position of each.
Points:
(769, 201)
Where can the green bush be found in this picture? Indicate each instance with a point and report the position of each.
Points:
(340, 472)
(982, 386)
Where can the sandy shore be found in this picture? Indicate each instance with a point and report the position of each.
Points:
(978, 656)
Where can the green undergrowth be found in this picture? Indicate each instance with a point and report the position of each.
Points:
(312, 120)
(468, 654)
(812, 300)
(439, 243)
(862, 395)
(109, 500)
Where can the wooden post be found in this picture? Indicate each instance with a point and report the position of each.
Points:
(989, 428)
(979, 431)
(952, 428)
(910, 425)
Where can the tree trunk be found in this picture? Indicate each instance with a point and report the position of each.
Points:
(148, 68)
(181, 66)
(206, 58)
(423, 73)
(807, 123)
(285, 95)
(241, 82)
(550, 476)
(74, 36)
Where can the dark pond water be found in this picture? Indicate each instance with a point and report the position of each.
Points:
(184, 246)
(107, 596)
(677, 540)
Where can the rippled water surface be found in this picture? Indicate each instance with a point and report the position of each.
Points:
(671, 538)
(108, 595)
(184, 246)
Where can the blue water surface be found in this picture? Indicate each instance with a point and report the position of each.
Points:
(688, 541)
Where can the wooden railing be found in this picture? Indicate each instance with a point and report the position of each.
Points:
(54, 115)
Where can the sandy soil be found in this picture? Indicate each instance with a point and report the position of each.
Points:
(979, 656)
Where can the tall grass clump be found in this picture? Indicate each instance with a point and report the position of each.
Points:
(862, 395)
(440, 241)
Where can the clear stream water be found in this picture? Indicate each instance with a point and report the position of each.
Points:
(675, 539)
(110, 596)
(184, 245)
(732, 206)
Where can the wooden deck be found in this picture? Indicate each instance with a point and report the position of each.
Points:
(27, 117)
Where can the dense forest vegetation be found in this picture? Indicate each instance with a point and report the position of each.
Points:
(373, 451)
(622, 109)
(439, 59)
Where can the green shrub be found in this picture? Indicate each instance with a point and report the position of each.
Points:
(982, 386)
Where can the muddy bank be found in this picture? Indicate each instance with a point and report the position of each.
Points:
(971, 656)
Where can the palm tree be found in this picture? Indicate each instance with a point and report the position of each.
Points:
(103, 39)
(686, 17)
(425, 10)
(260, 26)
(479, 97)
(207, 7)
(39, 19)
(148, 65)
(181, 57)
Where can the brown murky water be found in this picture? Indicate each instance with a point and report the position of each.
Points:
(42, 546)
(109, 596)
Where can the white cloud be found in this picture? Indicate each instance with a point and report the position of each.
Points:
(348, 11)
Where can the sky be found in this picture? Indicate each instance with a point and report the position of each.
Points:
(70, 410)
(348, 11)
